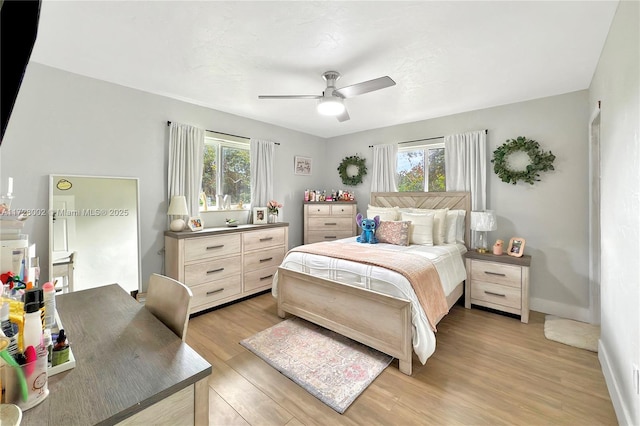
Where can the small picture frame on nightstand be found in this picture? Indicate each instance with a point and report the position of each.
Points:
(516, 247)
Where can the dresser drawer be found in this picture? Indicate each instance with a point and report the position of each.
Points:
(208, 247)
(257, 240)
(202, 272)
(319, 210)
(495, 293)
(261, 278)
(317, 236)
(330, 223)
(208, 293)
(263, 258)
(344, 210)
(497, 273)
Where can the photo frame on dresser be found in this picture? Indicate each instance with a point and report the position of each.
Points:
(516, 247)
(195, 223)
(259, 215)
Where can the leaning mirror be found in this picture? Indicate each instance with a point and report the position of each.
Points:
(94, 233)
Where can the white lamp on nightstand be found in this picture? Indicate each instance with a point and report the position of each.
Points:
(483, 222)
(178, 207)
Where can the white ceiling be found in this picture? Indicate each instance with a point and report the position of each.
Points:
(446, 57)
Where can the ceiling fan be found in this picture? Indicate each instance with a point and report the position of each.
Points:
(331, 102)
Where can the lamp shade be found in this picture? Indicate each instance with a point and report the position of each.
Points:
(484, 221)
(178, 206)
(330, 105)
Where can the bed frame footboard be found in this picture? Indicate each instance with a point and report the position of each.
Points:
(373, 319)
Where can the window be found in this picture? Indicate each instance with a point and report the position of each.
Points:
(411, 166)
(226, 170)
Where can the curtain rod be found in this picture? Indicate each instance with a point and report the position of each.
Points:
(486, 131)
(227, 134)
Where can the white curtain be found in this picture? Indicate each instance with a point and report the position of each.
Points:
(383, 178)
(465, 159)
(262, 156)
(186, 156)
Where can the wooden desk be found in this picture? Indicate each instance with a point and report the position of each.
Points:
(129, 367)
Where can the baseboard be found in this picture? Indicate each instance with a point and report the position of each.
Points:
(560, 309)
(622, 412)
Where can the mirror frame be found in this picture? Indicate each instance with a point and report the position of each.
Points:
(52, 177)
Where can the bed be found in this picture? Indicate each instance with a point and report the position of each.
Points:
(366, 302)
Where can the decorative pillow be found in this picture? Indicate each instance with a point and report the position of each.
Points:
(454, 227)
(385, 213)
(421, 228)
(394, 232)
(439, 223)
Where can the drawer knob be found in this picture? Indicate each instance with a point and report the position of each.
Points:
(209, 293)
(266, 278)
(266, 260)
(494, 294)
(330, 223)
(266, 239)
(215, 247)
(215, 270)
(495, 273)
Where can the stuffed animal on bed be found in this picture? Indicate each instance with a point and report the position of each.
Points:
(369, 227)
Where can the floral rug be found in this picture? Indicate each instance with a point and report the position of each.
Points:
(331, 367)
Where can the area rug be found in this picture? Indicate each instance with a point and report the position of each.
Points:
(572, 333)
(331, 367)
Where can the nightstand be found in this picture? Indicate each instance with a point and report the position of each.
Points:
(498, 282)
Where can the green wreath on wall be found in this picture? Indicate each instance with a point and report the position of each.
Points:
(359, 163)
(539, 161)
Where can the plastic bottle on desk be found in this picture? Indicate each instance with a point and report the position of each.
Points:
(49, 305)
(32, 334)
(9, 330)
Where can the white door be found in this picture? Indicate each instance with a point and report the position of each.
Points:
(64, 226)
(594, 216)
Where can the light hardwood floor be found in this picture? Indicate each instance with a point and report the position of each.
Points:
(487, 369)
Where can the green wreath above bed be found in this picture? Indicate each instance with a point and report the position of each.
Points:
(539, 161)
(350, 179)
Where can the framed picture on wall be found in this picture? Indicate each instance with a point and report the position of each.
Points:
(302, 165)
(516, 247)
(195, 223)
(259, 215)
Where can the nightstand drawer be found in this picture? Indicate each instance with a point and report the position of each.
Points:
(329, 223)
(264, 238)
(208, 247)
(496, 293)
(497, 273)
(198, 273)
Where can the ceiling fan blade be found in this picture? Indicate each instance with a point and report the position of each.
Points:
(344, 116)
(365, 87)
(289, 97)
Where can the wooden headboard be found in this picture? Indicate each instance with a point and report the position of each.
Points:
(428, 200)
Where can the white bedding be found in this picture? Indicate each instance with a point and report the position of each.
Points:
(447, 260)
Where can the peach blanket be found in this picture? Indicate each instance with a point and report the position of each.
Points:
(418, 270)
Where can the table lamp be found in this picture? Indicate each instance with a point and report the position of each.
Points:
(178, 207)
(483, 222)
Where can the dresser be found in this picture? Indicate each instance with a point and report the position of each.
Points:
(498, 282)
(221, 265)
(327, 221)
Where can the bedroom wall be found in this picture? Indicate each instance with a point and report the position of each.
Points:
(616, 84)
(64, 123)
(551, 215)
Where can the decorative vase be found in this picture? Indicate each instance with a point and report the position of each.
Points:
(272, 218)
(497, 248)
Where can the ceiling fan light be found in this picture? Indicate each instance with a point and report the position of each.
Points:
(331, 106)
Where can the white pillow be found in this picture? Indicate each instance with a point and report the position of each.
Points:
(385, 213)
(439, 223)
(454, 227)
(421, 228)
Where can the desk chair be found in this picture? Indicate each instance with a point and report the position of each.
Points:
(169, 300)
(64, 270)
